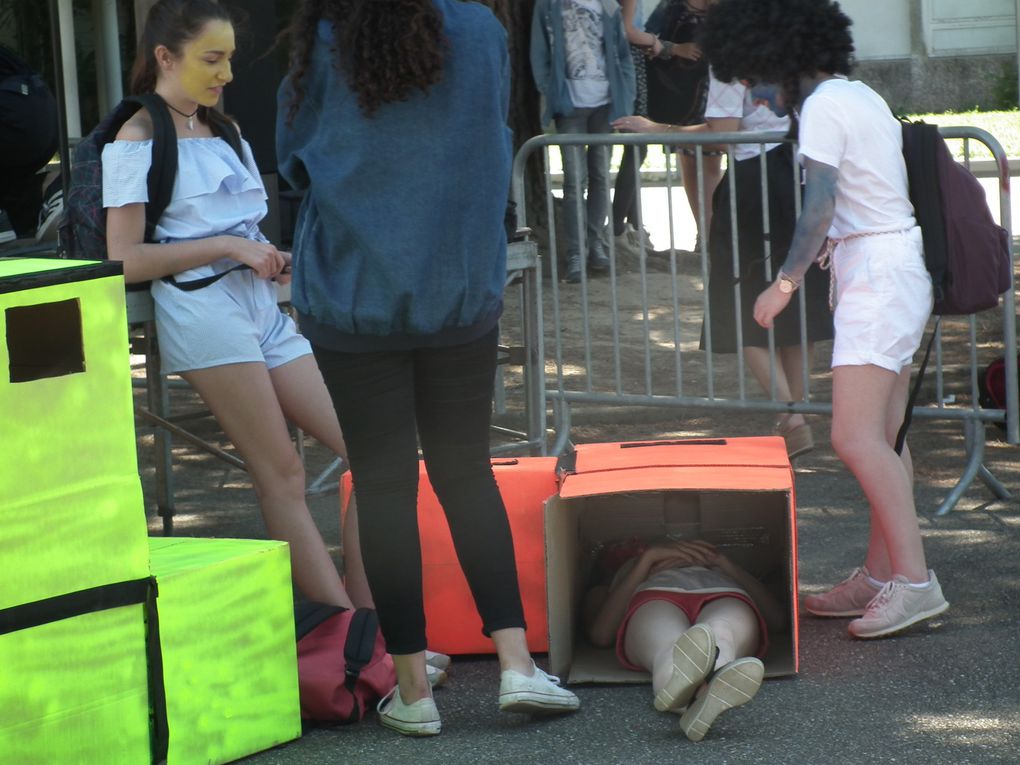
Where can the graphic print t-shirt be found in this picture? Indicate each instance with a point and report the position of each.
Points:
(586, 57)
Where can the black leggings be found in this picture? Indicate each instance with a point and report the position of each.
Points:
(386, 401)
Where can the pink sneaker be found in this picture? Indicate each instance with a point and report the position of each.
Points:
(848, 598)
(897, 606)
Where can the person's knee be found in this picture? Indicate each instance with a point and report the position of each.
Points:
(284, 476)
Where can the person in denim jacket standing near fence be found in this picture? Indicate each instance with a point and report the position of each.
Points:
(393, 120)
(582, 65)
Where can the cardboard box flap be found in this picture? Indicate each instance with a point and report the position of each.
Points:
(746, 464)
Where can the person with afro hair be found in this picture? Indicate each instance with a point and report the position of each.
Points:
(856, 216)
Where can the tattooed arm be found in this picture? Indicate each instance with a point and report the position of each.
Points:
(808, 237)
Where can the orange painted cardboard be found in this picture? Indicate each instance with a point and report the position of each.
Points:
(453, 624)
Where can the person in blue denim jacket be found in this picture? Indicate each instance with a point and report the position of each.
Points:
(581, 62)
(393, 120)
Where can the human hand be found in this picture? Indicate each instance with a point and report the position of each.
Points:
(690, 51)
(263, 258)
(769, 304)
(636, 124)
(655, 49)
(678, 554)
(284, 276)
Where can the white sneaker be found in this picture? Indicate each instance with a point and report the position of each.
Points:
(436, 676)
(436, 659)
(538, 694)
(418, 719)
(848, 598)
(733, 685)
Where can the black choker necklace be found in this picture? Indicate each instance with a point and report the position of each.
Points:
(189, 117)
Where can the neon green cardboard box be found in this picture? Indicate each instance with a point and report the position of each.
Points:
(71, 510)
(226, 627)
(71, 518)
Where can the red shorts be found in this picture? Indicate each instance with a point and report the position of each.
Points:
(691, 604)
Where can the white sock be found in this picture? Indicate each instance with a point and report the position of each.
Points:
(874, 582)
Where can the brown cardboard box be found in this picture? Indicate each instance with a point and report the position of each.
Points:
(736, 493)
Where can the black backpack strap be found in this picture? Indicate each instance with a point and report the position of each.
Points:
(163, 171)
(309, 615)
(224, 127)
(205, 281)
(908, 415)
(358, 650)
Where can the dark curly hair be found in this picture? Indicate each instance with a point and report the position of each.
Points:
(777, 41)
(385, 48)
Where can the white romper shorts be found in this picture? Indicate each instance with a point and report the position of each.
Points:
(883, 299)
(232, 321)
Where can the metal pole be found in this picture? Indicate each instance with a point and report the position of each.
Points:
(58, 77)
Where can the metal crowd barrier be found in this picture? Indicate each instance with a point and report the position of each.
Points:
(657, 333)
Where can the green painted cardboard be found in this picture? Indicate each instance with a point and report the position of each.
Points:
(71, 509)
(226, 623)
(75, 691)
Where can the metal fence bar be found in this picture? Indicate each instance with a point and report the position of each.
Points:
(562, 392)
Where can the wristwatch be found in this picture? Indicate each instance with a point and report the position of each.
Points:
(786, 284)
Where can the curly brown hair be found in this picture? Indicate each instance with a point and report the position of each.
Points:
(386, 48)
(777, 41)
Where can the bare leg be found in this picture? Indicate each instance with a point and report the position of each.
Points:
(866, 403)
(711, 174)
(789, 374)
(651, 633)
(735, 627)
(234, 392)
(306, 402)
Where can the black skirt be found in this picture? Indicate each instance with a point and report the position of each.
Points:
(750, 267)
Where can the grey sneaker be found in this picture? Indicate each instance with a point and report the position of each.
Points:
(733, 685)
(538, 693)
(418, 719)
(637, 238)
(848, 598)
(897, 606)
(693, 658)
(573, 269)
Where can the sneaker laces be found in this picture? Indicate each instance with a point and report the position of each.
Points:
(883, 597)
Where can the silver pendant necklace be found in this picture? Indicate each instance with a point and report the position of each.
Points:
(189, 117)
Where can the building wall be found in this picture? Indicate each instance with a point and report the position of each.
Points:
(937, 55)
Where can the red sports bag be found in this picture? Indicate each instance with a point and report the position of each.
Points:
(343, 667)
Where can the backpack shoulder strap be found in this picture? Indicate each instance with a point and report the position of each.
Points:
(163, 171)
(225, 128)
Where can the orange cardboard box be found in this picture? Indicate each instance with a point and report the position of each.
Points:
(453, 624)
(737, 493)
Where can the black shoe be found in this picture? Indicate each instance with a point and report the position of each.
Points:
(573, 269)
(598, 261)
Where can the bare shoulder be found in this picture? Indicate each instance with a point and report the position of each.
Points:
(137, 128)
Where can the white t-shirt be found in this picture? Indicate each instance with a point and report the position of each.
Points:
(585, 53)
(848, 126)
(733, 100)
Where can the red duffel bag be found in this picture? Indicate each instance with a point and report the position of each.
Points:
(343, 667)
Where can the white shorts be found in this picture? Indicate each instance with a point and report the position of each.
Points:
(232, 321)
(883, 299)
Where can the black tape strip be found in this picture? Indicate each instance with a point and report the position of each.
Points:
(73, 604)
(159, 729)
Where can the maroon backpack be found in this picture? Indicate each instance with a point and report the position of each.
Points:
(965, 251)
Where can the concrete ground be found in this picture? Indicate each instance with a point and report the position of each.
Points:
(944, 692)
